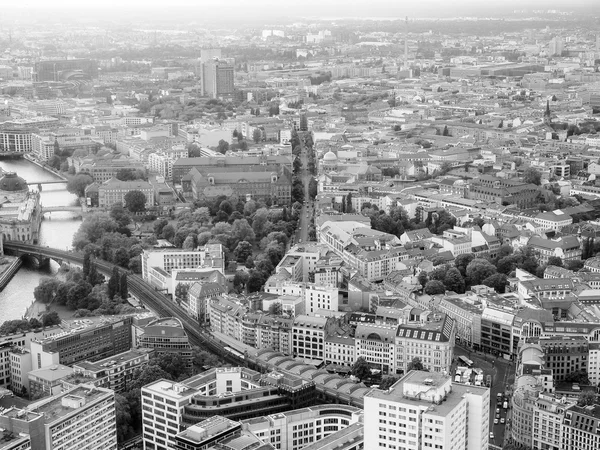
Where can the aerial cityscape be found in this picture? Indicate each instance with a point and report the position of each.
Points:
(277, 225)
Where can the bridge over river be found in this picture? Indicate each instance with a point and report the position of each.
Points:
(330, 388)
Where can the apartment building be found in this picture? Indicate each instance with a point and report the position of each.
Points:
(94, 342)
(548, 416)
(157, 264)
(341, 350)
(208, 164)
(296, 429)
(431, 341)
(20, 366)
(581, 428)
(315, 296)
(114, 191)
(373, 253)
(115, 372)
(466, 312)
(166, 336)
(48, 381)
(426, 410)
(567, 248)
(376, 344)
(308, 337)
(15, 358)
(81, 418)
(234, 392)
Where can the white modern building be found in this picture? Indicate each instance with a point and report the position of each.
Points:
(426, 410)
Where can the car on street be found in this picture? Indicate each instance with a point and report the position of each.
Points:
(491, 435)
(502, 420)
(496, 421)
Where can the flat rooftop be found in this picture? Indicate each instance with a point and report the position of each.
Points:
(53, 408)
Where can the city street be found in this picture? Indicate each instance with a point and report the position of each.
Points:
(502, 372)
(307, 209)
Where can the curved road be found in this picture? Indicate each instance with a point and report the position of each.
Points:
(163, 306)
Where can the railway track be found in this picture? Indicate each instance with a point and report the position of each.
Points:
(165, 307)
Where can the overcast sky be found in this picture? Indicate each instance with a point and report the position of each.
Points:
(310, 8)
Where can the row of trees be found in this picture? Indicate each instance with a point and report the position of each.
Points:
(469, 270)
(85, 292)
(47, 319)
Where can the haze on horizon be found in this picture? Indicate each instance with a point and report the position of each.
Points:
(268, 10)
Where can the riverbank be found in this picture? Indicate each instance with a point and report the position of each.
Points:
(45, 167)
(9, 265)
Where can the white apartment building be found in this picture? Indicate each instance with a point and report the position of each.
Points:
(548, 415)
(376, 344)
(20, 366)
(162, 412)
(158, 263)
(432, 342)
(82, 418)
(294, 430)
(315, 296)
(426, 410)
(162, 162)
(308, 337)
(593, 370)
(340, 350)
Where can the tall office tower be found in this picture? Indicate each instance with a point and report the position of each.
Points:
(217, 79)
(426, 410)
(556, 46)
(82, 418)
(209, 54)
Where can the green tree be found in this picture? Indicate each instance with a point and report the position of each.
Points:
(242, 251)
(454, 281)
(498, 281)
(45, 291)
(303, 122)
(388, 382)
(349, 208)
(434, 287)
(123, 419)
(478, 270)
(555, 261)
(445, 132)
(415, 364)
(257, 135)
(423, 278)
(135, 201)
(123, 287)
(172, 363)
(275, 309)
(86, 264)
(181, 293)
(114, 283)
(587, 398)
(77, 184)
(223, 146)
(361, 369)
(532, 175)
(240, 279)
(462, 261)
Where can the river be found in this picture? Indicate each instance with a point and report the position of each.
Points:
(57, 231)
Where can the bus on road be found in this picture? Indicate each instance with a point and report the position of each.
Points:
(466, 361)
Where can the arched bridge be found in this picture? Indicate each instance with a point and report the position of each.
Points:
(75, 209)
